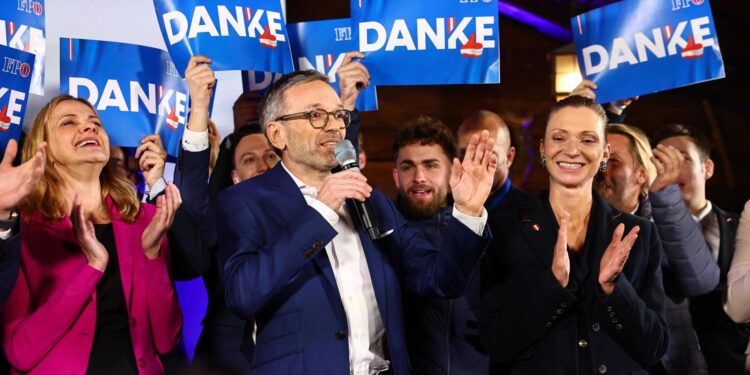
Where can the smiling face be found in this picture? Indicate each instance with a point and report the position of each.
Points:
(304, 147)
(574, 147)
(76, 135)
(422, 176)
(253, 156)
(622, 184)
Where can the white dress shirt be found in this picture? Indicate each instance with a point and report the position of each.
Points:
(366, 332)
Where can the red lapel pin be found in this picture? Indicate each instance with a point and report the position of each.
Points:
(536, 227)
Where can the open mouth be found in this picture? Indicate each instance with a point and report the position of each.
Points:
(87, 143)
(421, 193)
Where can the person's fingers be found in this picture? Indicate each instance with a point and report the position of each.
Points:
(489, 156)
(471, 149)
(629, 240)
(352, 55)
(660, 170)
(10, 153)
(617, 234)
(195, 60)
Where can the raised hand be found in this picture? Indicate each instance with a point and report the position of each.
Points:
(471, 180)
(560, 258)
(353, 76)
(17, 182)
(95, 253)
(338, 187)
(615, 256)
(151, 158)
(585, 88)
(166, 207)
(668, 161)
(200, 80)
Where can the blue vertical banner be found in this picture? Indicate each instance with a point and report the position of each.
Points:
(321, 45)
(235, 34)
(136, 90)
(22, 27)
(16, 73)
(638, 47)
(422, 42)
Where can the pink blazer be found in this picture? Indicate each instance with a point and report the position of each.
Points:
(49, 320)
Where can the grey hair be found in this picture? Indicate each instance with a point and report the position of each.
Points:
(272, 103)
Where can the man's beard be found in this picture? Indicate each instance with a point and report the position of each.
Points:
(610, 194)
(419, 210)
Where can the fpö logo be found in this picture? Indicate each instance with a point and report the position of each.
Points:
(682, 4)
(29, 6)
(16, 67)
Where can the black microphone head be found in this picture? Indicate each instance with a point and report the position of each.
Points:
(345, 153)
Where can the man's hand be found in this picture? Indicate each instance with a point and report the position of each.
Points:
(471, 180)
(166, 207)
(200, 80)
(151, 158)
(586, 88)
(668, 162)
(615, 256)
(560, 258)
(96, 254)
(18, 182)
(338, 187)
(352, 77)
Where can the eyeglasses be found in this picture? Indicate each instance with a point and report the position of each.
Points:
(319, 117)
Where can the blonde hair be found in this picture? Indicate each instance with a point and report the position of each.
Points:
(639, 150)
(47, 199)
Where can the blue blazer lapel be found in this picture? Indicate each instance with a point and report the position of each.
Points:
(290, 204)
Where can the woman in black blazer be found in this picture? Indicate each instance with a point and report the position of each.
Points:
(565, 290)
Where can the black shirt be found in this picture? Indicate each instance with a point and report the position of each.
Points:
(112, 351)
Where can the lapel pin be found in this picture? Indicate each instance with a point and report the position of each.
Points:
(536, 227)
(729, 220)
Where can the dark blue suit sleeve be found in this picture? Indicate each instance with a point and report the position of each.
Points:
(264, 257)
(10, 259)
(192, 233)
(634, 315)
(432, 272)
(690, 270)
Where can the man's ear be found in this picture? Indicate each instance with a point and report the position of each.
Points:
(511, 155)
(708, 165)
(276, 134)
(395, 179)
(235, 177)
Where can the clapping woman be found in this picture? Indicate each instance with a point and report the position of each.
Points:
(94, 293)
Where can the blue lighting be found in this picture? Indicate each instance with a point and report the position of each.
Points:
(544, 25)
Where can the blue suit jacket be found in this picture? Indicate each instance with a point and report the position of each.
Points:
(279, 273)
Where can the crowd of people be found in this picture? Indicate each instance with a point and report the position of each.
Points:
(622, 265)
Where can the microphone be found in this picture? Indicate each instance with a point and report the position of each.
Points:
(347, 157)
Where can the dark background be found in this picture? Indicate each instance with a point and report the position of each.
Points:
(719, 108)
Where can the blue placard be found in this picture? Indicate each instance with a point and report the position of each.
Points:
(321, 45)
(235, 34)
(421, 42)
(16, 72)
(637, 47)
(135, 89)
(22, 28)
(258, 81)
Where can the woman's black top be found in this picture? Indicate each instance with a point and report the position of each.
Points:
(112, 351)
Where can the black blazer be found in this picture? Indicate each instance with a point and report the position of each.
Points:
(722, 341)
(533, 325)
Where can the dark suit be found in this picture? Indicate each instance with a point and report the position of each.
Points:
(529, 322)
(723, 342)
(280, 274)
(10, 259)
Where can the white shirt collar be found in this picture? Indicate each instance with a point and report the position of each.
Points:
(704, 212)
